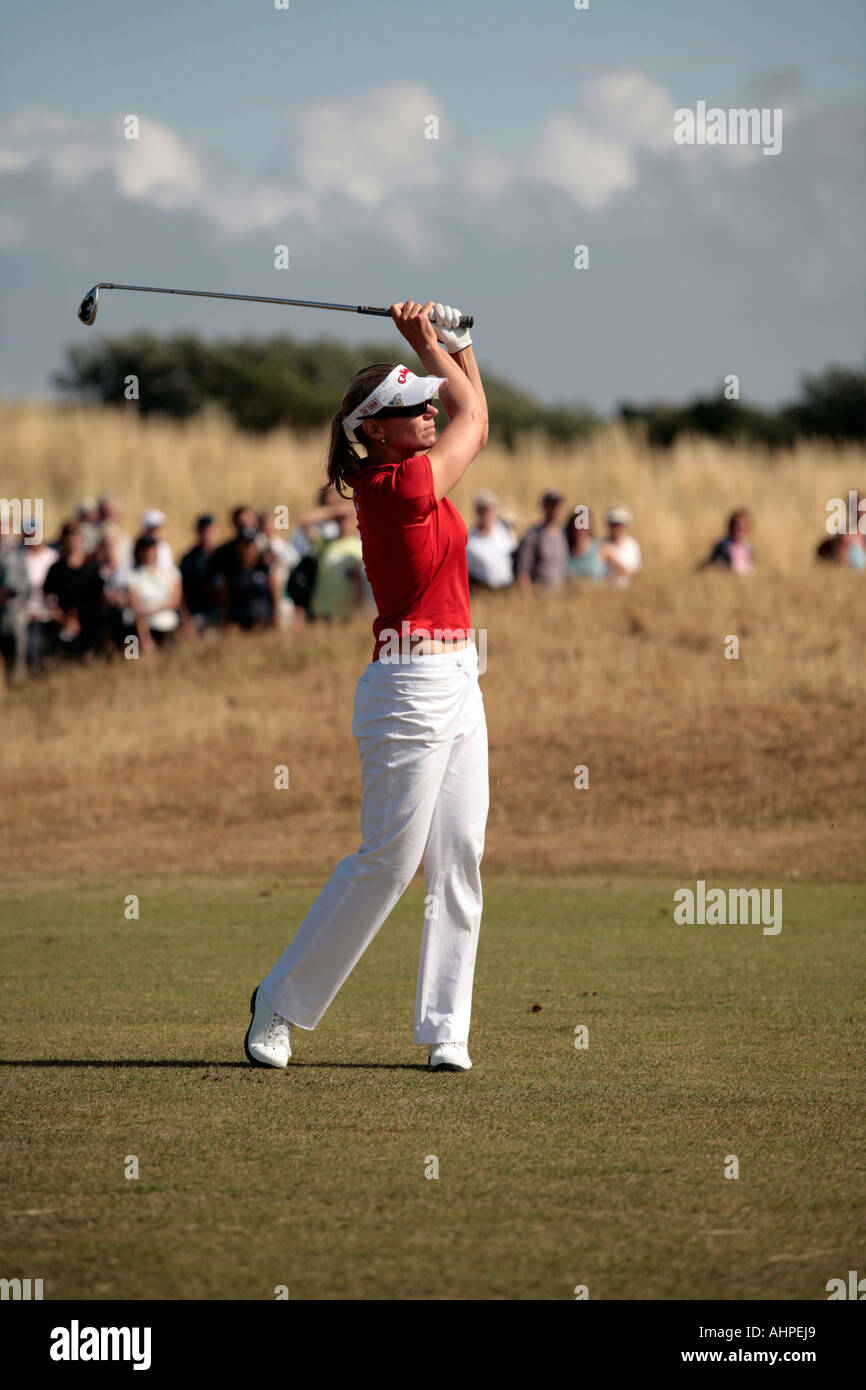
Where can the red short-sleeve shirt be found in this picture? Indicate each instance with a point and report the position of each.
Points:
(414, 554)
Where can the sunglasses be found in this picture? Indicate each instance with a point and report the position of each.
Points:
(402, 412)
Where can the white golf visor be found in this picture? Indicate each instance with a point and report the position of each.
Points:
(400, 387)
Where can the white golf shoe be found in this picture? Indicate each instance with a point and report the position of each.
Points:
(268, 1039)
(448, 1056)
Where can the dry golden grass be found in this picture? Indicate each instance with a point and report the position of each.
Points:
(680, 500)
(698, 766)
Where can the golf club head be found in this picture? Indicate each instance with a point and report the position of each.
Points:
(89, 305)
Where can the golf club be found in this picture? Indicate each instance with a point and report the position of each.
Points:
(90, 303)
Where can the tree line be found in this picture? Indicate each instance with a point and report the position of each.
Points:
(266, 383)
(831, 405)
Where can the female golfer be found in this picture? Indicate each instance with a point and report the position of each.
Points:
(418, 712)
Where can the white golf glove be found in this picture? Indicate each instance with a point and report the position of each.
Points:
(452, 338)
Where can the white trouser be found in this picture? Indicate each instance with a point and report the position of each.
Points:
(422, 736)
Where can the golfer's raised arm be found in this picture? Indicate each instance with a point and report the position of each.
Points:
(464, 435)
(465, 360)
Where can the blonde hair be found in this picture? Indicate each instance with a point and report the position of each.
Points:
(345, 459)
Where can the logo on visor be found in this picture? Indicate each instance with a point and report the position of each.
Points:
(402, 375)
(398, 399)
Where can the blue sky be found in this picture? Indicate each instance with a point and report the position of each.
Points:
(305, 127)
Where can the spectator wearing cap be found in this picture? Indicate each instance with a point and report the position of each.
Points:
(199, 594)
(734, 550)
(338, 589)
(620, 551)
(247, 587)
(314, 530)
(154, 595)
(152, 523)
(585, 560)
(490, 546)
(542, 559)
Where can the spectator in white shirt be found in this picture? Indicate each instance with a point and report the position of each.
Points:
(490, 546)
(154, 594)
(620, 551)
(27, 616)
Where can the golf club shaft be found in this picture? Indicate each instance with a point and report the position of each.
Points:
(466, 320)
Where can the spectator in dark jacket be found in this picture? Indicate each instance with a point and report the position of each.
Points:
(73, 595)
(196, 573)
(248, 583)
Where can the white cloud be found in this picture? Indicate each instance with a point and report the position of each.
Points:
(371, 151)
(591, 155)
(159, 168)
(715, 224)
(486, 174)
(66, 148)
(370, 147)
(573, 157)
(630, 107)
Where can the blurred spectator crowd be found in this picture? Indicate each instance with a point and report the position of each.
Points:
(553, 553)
(94, 589)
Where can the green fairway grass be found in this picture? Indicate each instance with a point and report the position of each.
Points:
(558, 1167)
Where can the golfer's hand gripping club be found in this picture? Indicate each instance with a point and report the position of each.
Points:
(449, 328)
(416, 322)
